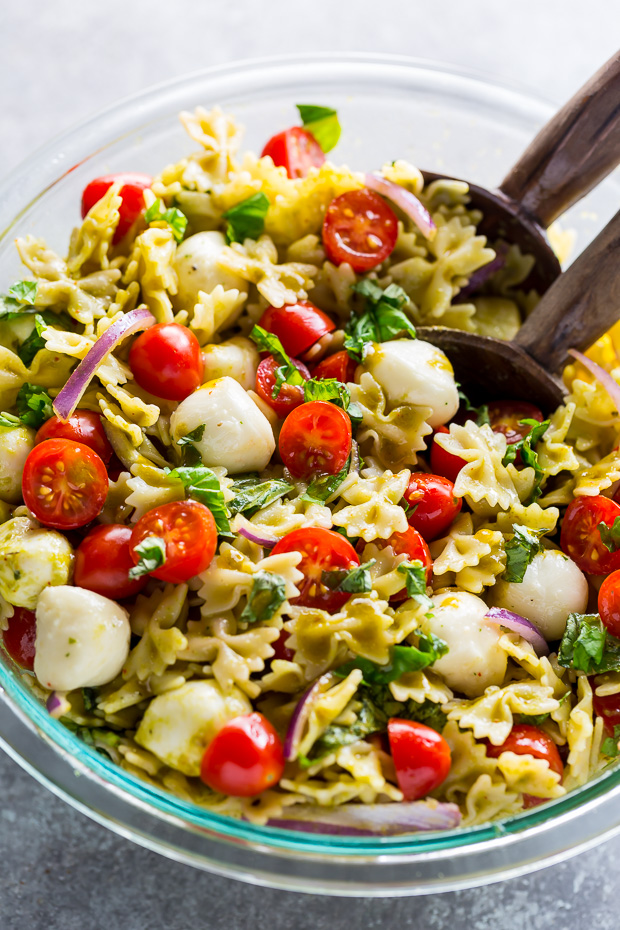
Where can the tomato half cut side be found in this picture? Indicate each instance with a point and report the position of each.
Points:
(189, 534)
(289, 396)
(506, 416)
(421, 757)
(297, 326)
(340, 366)
(528, 740)
(64, 483)
(82, 426)
(166, 361)
(295, 149)
(19, 637)
(131, 193)
(432, 504)
(443, 462)
(580, 538)
(322, 551)
(315, 439)
(360, 229)
(244, 758)
(103, 561)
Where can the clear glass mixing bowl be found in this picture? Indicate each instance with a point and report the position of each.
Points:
(390, 108)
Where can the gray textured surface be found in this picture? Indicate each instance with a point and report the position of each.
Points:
(63, 60)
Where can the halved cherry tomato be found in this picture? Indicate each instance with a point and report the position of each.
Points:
(580, 538)
(526, 740)
(82, 426)
(132, 196)
(166, 361)
(189, 534)
(64, 483)
(433, 504)
(289, 396)
(359, 228)
(315, 439)
(244, 758)
(421, 757)
(444, 463)
(103, 562)
(19, 638)
(609, 603)
(322, 551)
(339, 366)
(506, 416)
(608, 707)
(297, 326)
(295, 149)
(411, 544)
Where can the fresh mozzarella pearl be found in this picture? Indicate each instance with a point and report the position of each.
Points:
(237, 436)
(196, 265)
(237, 358)
(15, 445)
(178, 725)
(82, 638)
(552, 588)
(474, 660)
(30, 560)
(411, 371)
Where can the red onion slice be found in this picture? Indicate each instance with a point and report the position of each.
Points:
(71, 394)
(518, 624)
(408, 202)
(482, 275)
(57, 705)
(603, 377)
(302, 712)
(245, 528)
(372, 819)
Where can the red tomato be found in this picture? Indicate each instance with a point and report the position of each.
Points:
(359, 228)
(315, 439)
(433, 504)
(166, 361)
(20, 637)
(609, 603)
(505, 417)
(82, 426)
(442, 462)
(339, 366)
(607, 707)
(289, 395)
(244, 758)
(64, 483)
(132, 195)
(411, 544)
(281, 650)
(295, 149)
(103, 561)
(421, 757)
(297, 326)
(322, 551)
(526, 740)
(580, 538)
(190, 536)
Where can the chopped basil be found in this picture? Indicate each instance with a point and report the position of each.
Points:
(319, 490)
(267, 595)
(328, 389)
(34, 405)
(252, 494)
(191, 455)
(415, 579)
(482, 412)
(520, 550)
(528, 456)
(610, 535)
(352, 581)
(8, 421)
(323, 123)
(534, 720)
(152, 555)
(246, 220)
(402, 659)
(587, 646)
(369, 719)
(99, 738)
(202, 485)
(287, 373)
(176, 220)
(609, 746)
(89, 696)
(34, 342)
(24, 291)
(381, 320)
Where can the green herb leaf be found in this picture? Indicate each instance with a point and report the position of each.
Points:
(415, 579)
(587, 646)
(609, 746)
(252, 494)
(370, 719)
(529, 456)
(34, 405)
(534, 720)
(520, 550)
(267, 595)
(610, 536)
(176, 220)
(24, 291)
(319, 490)
(34, 342)
(323, 123)
(202, 485)
(89, 696)
(191, 455)
(8, 421)
(354, 580)
(152, 555)
(99, 738)
(287, 373)
(328, 389)
(246, 220)
(402, 659)
(381, 320)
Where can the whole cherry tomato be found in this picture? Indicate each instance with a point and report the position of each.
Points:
(360, 229)
(315, 439)
(82, 426)
(609, 603)
(280, 649)
(132, 196)
(442, 462)
(339, 366)
(297, 326)
(244, 758)
(166, 361)
(580, 538)
(322, 551)
(19, 637)
(608, 707)
(421, 757)
(411, 544)
(289, 396)
(103, 561)
(526, 740)
(64, 483)
(506, 416)
(433, 504)
(189, 534)
(295, 149)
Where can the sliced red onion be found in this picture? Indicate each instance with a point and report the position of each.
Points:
(482, 275)
(301, 714)
(518, 624)
(372, 819)
(247, 529)
(57, 705)
(71, 394)
(603, 377)
(408, 202)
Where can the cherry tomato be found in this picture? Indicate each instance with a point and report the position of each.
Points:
(421, 757)
(103, 561)
(19, 638)
(244, 758)
(526, 740)
(433, 504)
(295, 149)
(607, 707)
(64, 483)
(189, 534)
(359, 228)
(444, 463)
(315, 439)
(339, 366)
(297, 326)
(281, 650)
(82, 426)
(609, 603)
(580, 538)
(289, 395)
(166, 361)
(132, 195)
(505, 417)
(411, 544)
(322, 551)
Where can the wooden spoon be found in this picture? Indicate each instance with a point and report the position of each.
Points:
(570, 155)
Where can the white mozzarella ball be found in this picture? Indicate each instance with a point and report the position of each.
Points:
(474, 660)
(412, 371)
(552, 588)
(237, 358)
(237, 435)
(82, 639)
(15, 445)
(31, 559)
(196, 265)
(178, 725)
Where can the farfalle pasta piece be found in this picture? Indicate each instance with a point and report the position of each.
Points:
(353, 773)
(110, 371)
(598, 477)
(421, 686)
(215, 310)
(474, 559)
(218, 134)
(257, 262)
(327, 708)
(287, 677)
(491, 716)
(498, 317)
(92, 240)
(489, 799)
(554, 454)
(230, 576)
(151, 264)
(596, 423)
(150, 487)
(580, 732)
(284, 516)
(374, 511)
(529, 775)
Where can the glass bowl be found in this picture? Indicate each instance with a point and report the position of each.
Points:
(441, 120)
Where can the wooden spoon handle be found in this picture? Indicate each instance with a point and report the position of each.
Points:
(579, 306)
(573, 152)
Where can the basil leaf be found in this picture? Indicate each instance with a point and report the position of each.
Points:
(415, 579)
(520, 550)
(176, 220)
(24, 291)
(321, 488)
(34, 405)
(191, 455)
(534, 720)
(152, 555)
(8, 421)
(609, 746)
(402, 659)
(267, 595)
(252, 494)
(369, 719)
(89, 696)
(246, 220)
(328, 389)
(529, 456)
(610, 536)
(202, 485)
(381, 320)
(353, 581)
(287, 373)
(323, 123)
(34, 342)
(587, 646)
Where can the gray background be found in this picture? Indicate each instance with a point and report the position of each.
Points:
(61, 61)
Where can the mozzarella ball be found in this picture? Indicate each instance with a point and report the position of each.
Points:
(411, 371)
(237, 435)
(178, 725)
(474, 660)
(237, 358)
(196, 265)
(552, 588)
(15, 445)
(30, 560)
(82, 639)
